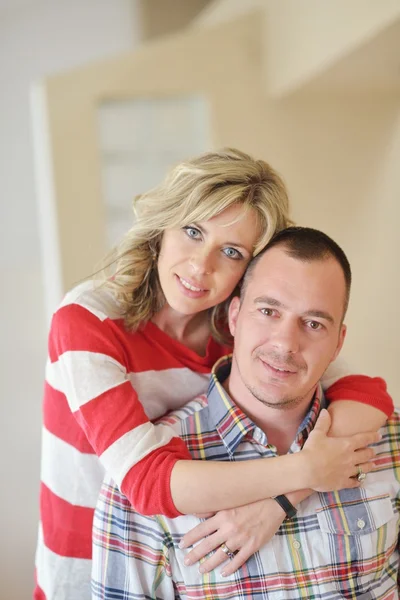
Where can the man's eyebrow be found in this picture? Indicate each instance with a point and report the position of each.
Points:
(322, 314)
(268, 300)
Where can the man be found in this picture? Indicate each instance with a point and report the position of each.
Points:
(287, 326)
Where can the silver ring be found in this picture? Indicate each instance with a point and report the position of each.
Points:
(228, 552)
(361, 475)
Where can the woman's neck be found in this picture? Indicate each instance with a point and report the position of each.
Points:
(192, 331)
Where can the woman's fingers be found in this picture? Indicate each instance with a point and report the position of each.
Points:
(205, 547)
(239, 560)
(199, 532)
(218, 558)
(361, 440)
(364, 468)
(363, 456)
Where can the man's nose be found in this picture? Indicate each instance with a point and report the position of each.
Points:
(286, 337)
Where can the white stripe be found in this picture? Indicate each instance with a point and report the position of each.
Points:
(94, 298)
(82, 376)
(336, 370)
(169, 389)
(133, 446)
(59, 577)
(74, 476)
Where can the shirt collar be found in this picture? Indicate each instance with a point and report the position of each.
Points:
(227, 418)
(308, 423)
(230, 421)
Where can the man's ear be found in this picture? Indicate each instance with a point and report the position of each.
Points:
(233, 313)
(341, 339)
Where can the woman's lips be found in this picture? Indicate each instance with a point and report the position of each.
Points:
(189, 288)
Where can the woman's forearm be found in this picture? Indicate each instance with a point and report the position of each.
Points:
(349, 417)
(325, 463)
(203, 486)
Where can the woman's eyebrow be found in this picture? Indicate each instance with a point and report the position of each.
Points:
(228, 243)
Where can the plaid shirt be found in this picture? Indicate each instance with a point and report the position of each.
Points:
(340, 545)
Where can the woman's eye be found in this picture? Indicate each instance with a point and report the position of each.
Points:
(233, 253)
(192, 232)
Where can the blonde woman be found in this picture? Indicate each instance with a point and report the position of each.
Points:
(124, 352)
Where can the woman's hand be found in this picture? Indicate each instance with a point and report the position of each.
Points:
(245, 529)
(333, 463)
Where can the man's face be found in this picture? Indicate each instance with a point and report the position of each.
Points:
(287, 329)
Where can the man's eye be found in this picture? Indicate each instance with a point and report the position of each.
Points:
(233, 253)
(268, 312)
(314, 325)
(192, 232)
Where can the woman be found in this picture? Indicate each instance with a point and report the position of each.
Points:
(125, 352)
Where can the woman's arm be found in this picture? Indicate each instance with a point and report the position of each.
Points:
(248, 527)
(151, 464)
(203, 486)
(356, 402)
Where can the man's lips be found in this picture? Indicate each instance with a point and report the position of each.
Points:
(280, 370)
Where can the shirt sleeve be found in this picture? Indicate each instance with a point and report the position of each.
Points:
(339, 383)
(88, 365)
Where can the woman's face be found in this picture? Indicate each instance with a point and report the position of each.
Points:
(199, 265)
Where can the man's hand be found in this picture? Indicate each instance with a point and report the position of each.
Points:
(333, 463)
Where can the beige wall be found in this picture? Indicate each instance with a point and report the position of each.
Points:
(339, 155)
(158, 17)
(303, 38)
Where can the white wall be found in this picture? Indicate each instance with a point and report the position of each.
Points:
(36, 38)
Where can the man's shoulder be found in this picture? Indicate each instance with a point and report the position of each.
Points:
(388, 447)
(182, 419)
(393, 422)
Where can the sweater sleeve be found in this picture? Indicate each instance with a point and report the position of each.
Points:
(89, 366)
(340, 384)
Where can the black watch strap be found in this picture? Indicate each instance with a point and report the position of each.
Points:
(287, 506)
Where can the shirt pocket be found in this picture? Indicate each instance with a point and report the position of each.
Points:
(361, 534)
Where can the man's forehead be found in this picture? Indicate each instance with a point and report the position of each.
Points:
(277, 275)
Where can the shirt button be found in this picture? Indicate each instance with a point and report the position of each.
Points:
(296, 544)
(360, 524)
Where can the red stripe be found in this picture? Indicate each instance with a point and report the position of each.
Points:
(67, 529)
(147, 484)
(109, 416)
(367, 390)
(59, 420)
(38, 593)
(74, 328)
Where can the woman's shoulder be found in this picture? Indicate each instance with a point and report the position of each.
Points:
(93, 297)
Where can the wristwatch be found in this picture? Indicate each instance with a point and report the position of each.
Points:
(287, 506)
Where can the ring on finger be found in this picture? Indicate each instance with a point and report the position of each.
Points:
(230, 554)
(360, 475)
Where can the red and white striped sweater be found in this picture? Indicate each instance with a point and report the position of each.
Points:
(103, 388)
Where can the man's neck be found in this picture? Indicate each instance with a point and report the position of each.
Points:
(280, 425)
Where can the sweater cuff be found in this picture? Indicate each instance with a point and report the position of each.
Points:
(360, 388)
(147, 485)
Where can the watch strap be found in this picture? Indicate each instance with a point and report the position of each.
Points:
(286, 505)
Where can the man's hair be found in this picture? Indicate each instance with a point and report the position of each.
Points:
(305, 244)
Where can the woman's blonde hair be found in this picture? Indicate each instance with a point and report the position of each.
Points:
(195, 190)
